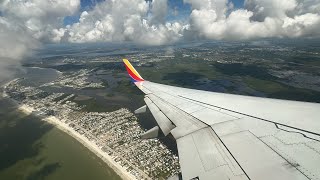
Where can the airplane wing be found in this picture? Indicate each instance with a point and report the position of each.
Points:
(224, 136)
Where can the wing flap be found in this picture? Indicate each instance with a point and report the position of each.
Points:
(258, 160)
(202, 155)
(164, 123)
(184, 123)
(301, 155)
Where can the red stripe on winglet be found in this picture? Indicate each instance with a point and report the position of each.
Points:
(133, 75)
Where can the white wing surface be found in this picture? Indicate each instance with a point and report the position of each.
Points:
(224, 136)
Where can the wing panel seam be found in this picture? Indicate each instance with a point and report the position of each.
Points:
(252, 116)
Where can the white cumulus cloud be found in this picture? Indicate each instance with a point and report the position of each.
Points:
(159, 11)
(213, 19)
(24, 24)
(15, 44)
(145, 22)
(125, 20)
(39, 17)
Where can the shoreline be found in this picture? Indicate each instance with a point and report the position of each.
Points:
(4, 86)
(58, 72)
(117, 168)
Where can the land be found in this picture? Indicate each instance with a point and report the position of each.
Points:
(93, 96)
(113, 136)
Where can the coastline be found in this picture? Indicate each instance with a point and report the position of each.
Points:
(59, 72)
(117, 168)
(119, 161)
(121, 171)
(4, 86)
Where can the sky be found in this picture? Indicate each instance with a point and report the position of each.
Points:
(158, 22)
(28, 24)
(177, 9)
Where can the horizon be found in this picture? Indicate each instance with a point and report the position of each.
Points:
(232, 86)
(149, 23)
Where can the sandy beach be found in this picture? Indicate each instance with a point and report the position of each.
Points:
(83, 140)
(4, 94)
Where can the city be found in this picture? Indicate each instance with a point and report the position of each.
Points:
(117, 133)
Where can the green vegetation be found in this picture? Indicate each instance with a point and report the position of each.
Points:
(125, 86)
(93, 88)
(297, 94)
(61, 97)
(265, 86)
(91, 105)
(183, 78)
(105, 83)
(282, 91)
(187, 73)
(238, 69)
(110, 94)
(180, 72)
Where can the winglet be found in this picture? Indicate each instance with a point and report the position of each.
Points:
(135, 76)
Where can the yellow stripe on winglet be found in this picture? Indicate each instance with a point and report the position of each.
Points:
(126, 61)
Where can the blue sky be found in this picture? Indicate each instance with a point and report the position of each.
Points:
(238, 3)
(183, 9)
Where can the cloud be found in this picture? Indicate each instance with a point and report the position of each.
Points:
(125, 20)
(146, 22)
(218, 6)
(159, 11)
(270, 8)
(14, 45)
(213, 19)
(25, 24)
(39, 17)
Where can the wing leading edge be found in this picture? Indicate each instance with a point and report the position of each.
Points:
(224, 136)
